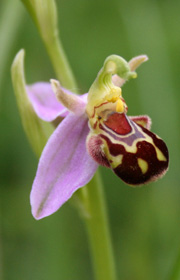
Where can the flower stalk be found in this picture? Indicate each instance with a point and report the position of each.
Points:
(98, 231)
(44, 14)
(175, 273)
(91, 196)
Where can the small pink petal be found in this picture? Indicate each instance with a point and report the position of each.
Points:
(45, 103)
(74, 103)
(143, 120)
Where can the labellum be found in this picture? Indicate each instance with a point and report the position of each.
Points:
(135, 154)
(124, 144)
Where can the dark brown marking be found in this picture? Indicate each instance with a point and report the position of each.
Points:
(129, 170)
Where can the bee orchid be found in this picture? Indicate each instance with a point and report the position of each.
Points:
(95, 130)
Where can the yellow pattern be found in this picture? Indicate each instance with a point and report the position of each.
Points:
(143, 165)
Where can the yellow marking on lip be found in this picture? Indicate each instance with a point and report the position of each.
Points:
(113, 160)
(119, 106)
(160, 155)
(143, 165)
(117, 160)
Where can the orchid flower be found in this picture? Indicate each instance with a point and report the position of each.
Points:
(95, 130)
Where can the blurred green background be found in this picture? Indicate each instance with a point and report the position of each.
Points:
(145, 222)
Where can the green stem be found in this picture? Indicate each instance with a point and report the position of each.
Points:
(175, 274)
(98, 230)
(61, 64)
(44, 14)
(91, 196)
(1, 248)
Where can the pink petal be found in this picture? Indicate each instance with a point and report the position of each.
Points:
(64, 166)
(45, 103)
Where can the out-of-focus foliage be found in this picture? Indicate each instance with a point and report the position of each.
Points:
(144, 221)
